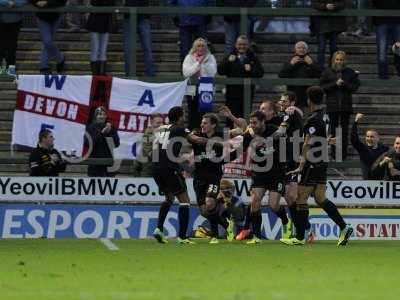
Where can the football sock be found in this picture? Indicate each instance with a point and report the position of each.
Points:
(183, 216)
(333, 213)
(248, 218)
(308, 224)
(213, 220)
(293, 211)
(281, 213)
(301, 215)
(164, 209)
(225, 214)
(256, 220)
(222, 219)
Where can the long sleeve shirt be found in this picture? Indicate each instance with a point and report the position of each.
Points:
(368, 155)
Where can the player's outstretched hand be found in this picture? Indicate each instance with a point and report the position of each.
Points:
(295, 171)
(250, 131)
(225, 111)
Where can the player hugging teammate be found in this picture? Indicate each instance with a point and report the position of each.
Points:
(271, 145)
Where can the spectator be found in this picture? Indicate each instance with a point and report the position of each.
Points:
(301, 65)
(45, 160)
(48, 26)
(10, 25)
(242, 63)
(199, 63)
(100, 26)
(392, 161)
(232, 23)
(104, 138)
(339, 82)
(142, 164)
(369, 152)
(327, 28)
(191, 27)
(387, 32)
(74, 20)
(396, 53)
(144, 31)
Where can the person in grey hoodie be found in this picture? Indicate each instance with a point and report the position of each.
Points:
(10, 25)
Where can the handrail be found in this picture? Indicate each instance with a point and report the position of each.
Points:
(167, 10)
(263, 82)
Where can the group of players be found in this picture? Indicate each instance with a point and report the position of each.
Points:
(296, 178)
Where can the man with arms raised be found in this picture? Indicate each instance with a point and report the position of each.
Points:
(369, 152)
(313, 171)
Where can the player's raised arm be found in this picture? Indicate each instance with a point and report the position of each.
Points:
(195, 139)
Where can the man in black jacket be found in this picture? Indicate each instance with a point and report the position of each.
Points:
(44, 160)
(387, 31)
(301, 65)
(369, 152)
(104, 138)
(241, 62)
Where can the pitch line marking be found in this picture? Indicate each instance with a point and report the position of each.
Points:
(110, 245)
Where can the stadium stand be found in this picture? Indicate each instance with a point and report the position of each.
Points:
(381, 104)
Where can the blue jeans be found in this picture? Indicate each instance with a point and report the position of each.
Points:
(386, 34)
(232, 31)
(363, 21)
(187, 35)
(50, 50)
(144, 32)
(98, 46)
(321, 40)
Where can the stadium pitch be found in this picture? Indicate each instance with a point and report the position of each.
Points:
(143, 269)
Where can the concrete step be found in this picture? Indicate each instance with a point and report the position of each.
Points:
(214, 36)
(116, 45)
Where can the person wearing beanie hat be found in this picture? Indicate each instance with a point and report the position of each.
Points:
(103, 139)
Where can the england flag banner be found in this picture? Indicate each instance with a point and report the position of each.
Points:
(56, 102)
(132, 103)
(63, 104)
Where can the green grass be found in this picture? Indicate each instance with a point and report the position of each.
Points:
(142, 269)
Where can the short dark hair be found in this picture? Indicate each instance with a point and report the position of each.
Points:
(315, 94)
(259, 115)
(212, 117)
(175, 114)
(291, 96)
(44, 133)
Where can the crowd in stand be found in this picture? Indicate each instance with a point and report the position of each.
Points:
(337, 80)
(191, 27)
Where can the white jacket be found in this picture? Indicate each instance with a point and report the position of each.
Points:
(208, 67)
